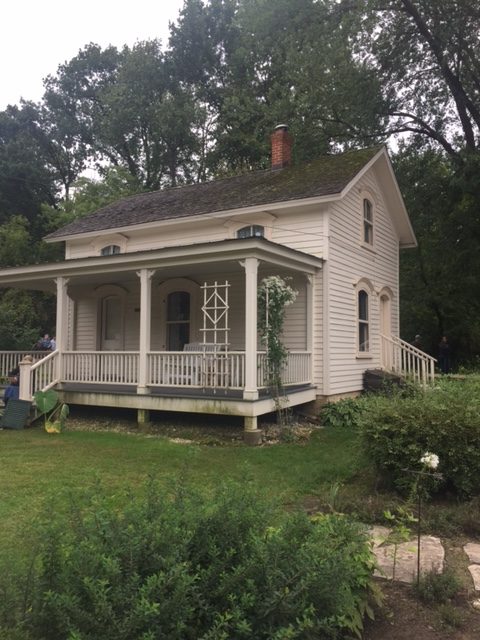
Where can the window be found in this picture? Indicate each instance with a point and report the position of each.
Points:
(363, 322)
(110, 250)
(367, 221)
(178, 320)
(252, 231)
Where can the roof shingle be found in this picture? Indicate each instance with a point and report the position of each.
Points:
(324, 176)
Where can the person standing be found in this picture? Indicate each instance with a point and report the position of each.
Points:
(417, 343)
(444, 355)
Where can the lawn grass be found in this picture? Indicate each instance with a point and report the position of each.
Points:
(35, 465)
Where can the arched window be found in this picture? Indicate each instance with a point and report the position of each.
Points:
(252, 231)
(178, 320)
(363, 322)
(110, 250)
(367, 221)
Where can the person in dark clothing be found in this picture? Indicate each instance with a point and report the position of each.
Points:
(12, 391)
(417, 343)
(444, 355)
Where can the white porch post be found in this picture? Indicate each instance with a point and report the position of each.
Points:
(145, 276)
(61, 322)
(250, 391)
(310, 313)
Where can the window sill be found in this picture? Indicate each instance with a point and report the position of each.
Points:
(368, 247)
(364, 356)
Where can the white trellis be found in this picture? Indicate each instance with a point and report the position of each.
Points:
(215, 315)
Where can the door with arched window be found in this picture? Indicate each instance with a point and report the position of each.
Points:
(178, 320)
(111, 329)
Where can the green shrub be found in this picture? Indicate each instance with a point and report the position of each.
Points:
(344, 413)
(398, 430)
(181, 565)
(438, 588)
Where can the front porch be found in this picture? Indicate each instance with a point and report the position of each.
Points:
(172, 329)
(194, 382)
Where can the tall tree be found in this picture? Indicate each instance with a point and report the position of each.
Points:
(427, 58)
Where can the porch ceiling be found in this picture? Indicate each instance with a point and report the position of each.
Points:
(181, 261)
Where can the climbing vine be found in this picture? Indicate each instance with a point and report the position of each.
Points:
(274, 295)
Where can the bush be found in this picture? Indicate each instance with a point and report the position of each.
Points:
(344, 413)
(397, 431)
(438, 588)
(184, 566)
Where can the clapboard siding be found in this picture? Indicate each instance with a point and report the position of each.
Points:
(145, 240)
(349, 262)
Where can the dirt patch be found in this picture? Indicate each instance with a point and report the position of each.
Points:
(403, 617)
(185, 428)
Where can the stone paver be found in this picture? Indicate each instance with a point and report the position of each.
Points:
(475, 573)
(472, 549)
(432, 556)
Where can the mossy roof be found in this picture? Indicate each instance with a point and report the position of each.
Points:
(327, 175)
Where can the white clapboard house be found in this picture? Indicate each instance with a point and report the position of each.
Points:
(157, 295)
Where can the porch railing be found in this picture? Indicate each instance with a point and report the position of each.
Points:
(101, 367)
(10, 360)
(182, 369)
(406, 360)
(196, 369)
(297, 369)
(44, 373)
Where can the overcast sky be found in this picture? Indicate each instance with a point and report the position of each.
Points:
(38, 35)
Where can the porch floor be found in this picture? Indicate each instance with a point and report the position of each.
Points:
(171, 392)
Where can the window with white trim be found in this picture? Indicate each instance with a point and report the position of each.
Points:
(110, 250)
(367, 221)
(363, 322)
(252, 231)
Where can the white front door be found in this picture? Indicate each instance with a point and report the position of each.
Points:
(385, 316)
(112, 324)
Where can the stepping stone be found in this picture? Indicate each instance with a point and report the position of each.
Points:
(432, 556)
(475, 573)
(472, 549)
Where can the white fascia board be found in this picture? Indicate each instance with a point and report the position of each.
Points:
(215, 215)
(205, 253)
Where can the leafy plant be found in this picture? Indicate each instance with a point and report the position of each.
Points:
(438, 588)
(344, 413)
(274, 295)
(397, 431)
(400, 522)
(54, 412)
(180, 565)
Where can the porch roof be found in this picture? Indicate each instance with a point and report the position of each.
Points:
(217, 254)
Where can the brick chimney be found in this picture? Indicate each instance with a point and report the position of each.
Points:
(281, 147)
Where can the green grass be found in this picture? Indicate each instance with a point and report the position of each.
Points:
(35, 465)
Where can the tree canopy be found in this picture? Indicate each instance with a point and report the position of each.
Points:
(342, 73)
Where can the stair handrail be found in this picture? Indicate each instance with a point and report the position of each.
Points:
(407, 360)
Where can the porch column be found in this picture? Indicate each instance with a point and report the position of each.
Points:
(310, 313)
(250, 391)
(61, 322)
(145, 276)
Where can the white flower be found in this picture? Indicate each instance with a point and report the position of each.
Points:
(430, 460)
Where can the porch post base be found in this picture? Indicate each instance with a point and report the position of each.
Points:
(143, 418)
(250, 394)
(143, 391)
(252, 435)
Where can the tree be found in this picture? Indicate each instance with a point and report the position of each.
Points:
(440, 289)
(427, 58)
(25, 180)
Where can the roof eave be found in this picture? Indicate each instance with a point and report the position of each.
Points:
(227, 213)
